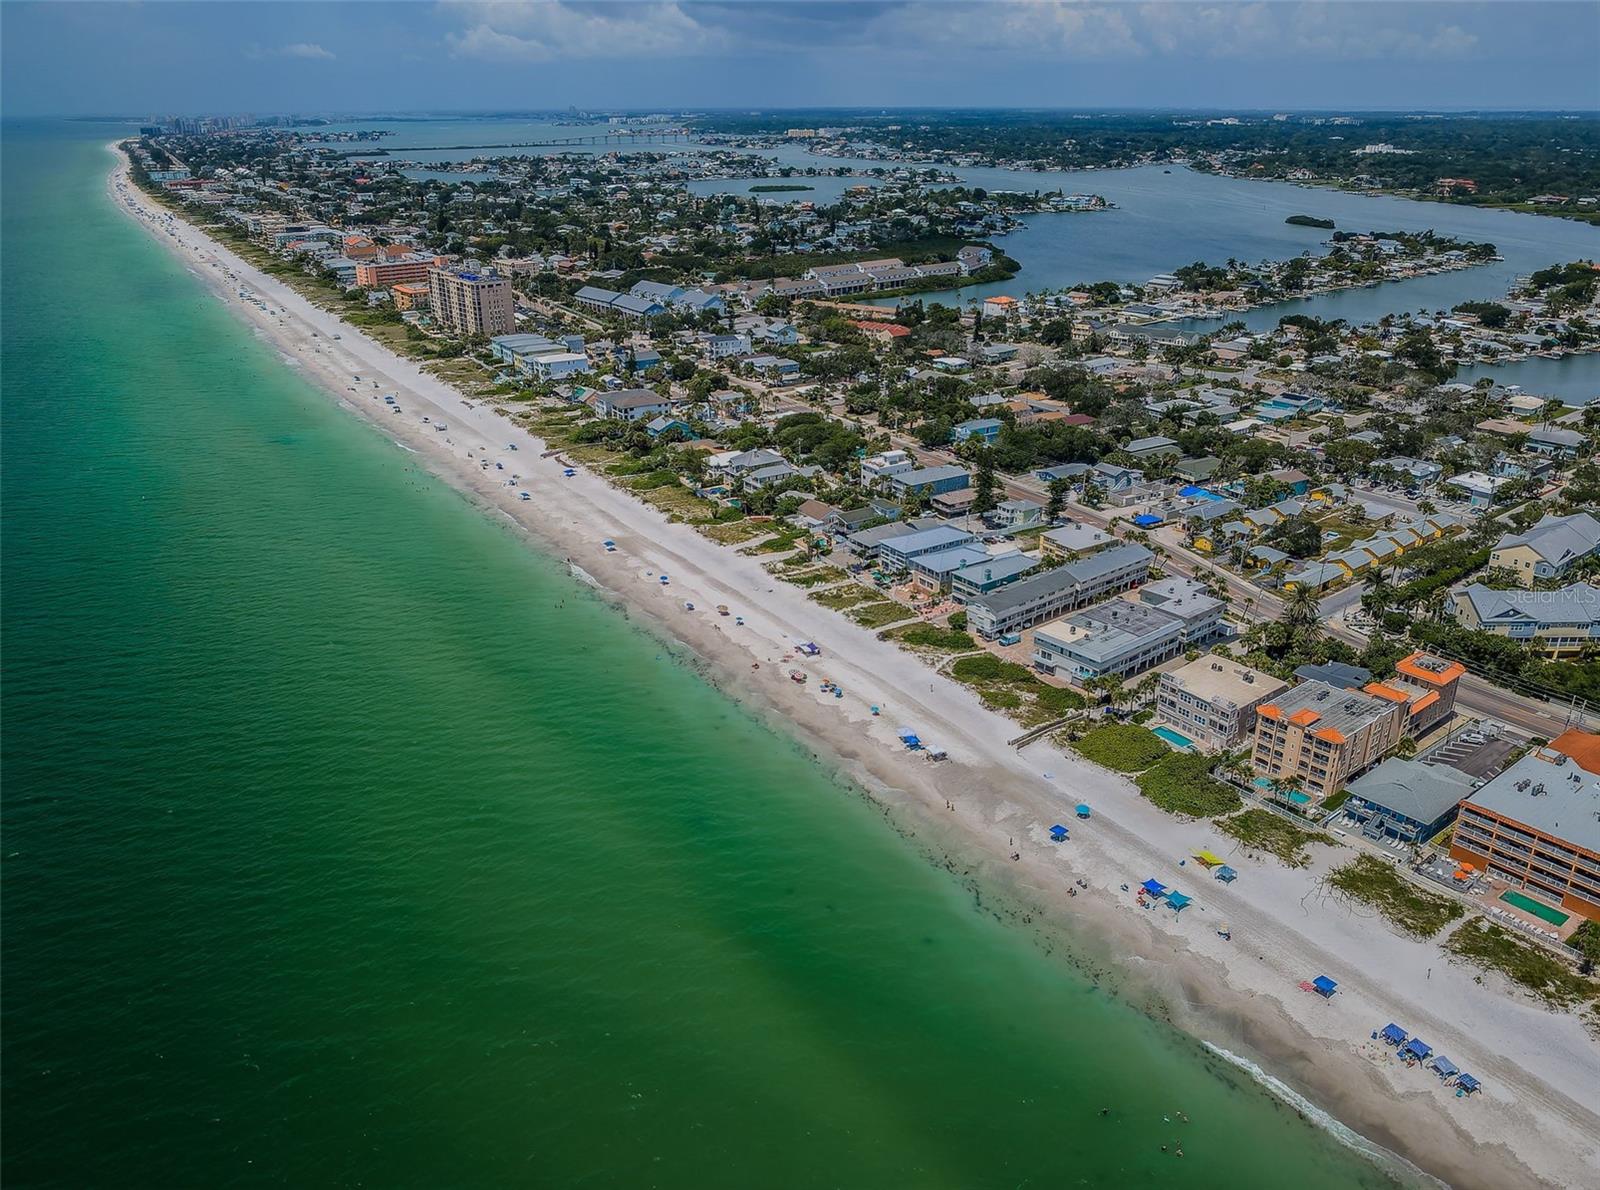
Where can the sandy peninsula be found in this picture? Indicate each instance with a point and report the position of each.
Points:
(1534, 1125)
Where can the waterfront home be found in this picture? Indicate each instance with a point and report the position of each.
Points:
(1551, 548)
(1557, 624)
(1407, 800)
(864, 543)
(1558, 443)
(999, 307)
(629, 404)
(1212, 700)
(989, 574)
(664, 424)
(901, 550)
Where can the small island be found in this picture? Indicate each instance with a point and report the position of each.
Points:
(784, 189)
(1310, 221)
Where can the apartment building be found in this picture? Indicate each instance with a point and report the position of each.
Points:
(1212, 701)
(471, 303)
(1128, 636)
(1316, 736)
(407, 270)
(1559, 624)
(1537, 826)
(1044, 596)
(1425, 686)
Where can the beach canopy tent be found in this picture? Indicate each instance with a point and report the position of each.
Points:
(909, 738)
(1416, 1048)
(1226, 874)
(1155, 888)
(1083, 810)
(1207, 858)
(1393, 1034)
(1058, 832)
(1324, 986)
(1445, 1068)
(1469, 1084)
(1179, 901)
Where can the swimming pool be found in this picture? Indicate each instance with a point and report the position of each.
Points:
(1294, 795)
(1528, 905)
(1176, 739)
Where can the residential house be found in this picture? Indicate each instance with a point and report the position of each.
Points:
(984, 428)
(629, 404)
(929, 481)
(1550, 549)
(1407, 800)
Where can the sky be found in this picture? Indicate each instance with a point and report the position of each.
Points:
(362, 56)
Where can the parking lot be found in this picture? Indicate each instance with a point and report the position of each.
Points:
(1473, 753)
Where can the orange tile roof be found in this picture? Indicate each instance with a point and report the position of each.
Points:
(1426, 701)
(1409, 667)
(1304, 717)
(1001, 301)
(1270, 710)
(1331, 734)
(1582, 746)
(1379, 690)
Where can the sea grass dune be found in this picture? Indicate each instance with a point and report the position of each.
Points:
(1535, 1123)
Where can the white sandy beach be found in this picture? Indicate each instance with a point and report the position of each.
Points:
(1535, 1123)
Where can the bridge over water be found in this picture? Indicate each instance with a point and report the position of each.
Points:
(610, 139)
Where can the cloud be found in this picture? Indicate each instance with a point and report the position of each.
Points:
(549, 30)
(305, 49)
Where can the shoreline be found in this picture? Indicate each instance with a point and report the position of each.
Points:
(1523, 1130)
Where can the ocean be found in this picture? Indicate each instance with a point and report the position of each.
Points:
(348, 840)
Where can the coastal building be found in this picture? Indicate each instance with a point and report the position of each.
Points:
(1425, 686)
(1406, 800)
(880, 467)
(1550, 549)
(1044, 596)
(1537, 826)
(408, 295)
(1559, 624)
(402, 270)
(929, 481)
(1126, 636)
(1212, 701)
(901, 551)
(989, 574)
(1316, 737)
(985, 429)
(632, 404)
(471, 304)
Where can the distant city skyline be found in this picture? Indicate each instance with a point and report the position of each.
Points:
(465, 55)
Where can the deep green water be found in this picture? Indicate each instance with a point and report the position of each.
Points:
(347, 842)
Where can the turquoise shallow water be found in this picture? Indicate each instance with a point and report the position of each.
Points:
(348, 842)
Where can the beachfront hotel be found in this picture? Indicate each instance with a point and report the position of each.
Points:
(1537, 826)
(1316, 737)
(471, 303)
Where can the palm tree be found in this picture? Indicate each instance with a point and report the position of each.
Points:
(1303, 609)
